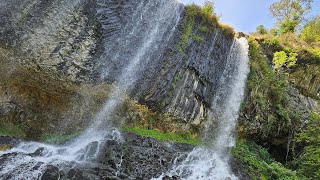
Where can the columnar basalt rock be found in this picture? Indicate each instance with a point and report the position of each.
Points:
(64, 45)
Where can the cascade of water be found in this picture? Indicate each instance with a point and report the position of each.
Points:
(211, 161)
(145, 36)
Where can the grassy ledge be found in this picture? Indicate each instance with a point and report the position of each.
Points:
(58, 138)
(164, 137)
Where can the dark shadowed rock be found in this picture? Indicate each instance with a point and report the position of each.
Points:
(51, 173)
(6, 140)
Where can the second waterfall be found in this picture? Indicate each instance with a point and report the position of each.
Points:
(210, 162)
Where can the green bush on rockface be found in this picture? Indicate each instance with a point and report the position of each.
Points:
(267, 101)
(309, 162)
(199, 22)
(281, 59)
(311, 32)
(260, 164)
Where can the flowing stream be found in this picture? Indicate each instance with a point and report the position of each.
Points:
(210, 162)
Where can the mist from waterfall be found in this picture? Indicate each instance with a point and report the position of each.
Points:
(145, 36)
(210, 162)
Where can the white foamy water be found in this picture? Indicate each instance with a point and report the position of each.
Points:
(210, 162)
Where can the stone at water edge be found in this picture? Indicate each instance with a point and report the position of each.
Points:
(7, 143)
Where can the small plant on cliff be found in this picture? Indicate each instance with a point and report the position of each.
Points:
(208, 8)
(309, 162)
(280, 59)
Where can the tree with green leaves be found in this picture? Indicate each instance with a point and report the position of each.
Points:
(311, 32)
(290, 13)
(261, 30)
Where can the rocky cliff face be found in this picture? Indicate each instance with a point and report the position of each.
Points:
(278, 105)
(54, 54)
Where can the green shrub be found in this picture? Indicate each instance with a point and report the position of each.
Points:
(311, 32)
(272, 44)
(309, 162)
(197, 38)
(260, 164)
(200, 21)
(267, 101)
(280, 59)
(208, 8)
(261, 30)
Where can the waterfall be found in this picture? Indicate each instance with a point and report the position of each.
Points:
(210, 162)
(143, 39)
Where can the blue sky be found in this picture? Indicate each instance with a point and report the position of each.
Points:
(246, 15)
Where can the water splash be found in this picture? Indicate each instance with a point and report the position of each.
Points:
(211, 161)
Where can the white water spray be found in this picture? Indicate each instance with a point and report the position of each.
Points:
(211, 161)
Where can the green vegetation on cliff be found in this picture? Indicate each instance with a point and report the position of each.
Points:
(259, 164)
(182, 137)
(309, 160)
(270, 118)
(199, 22)
(266, 89)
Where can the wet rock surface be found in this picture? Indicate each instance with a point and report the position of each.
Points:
(6, 140)
(139, 157)
(136, 157)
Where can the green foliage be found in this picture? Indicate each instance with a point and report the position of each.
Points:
(208, 8)
(290, 13)
(288, 26)
(9, 129)
(260, 164)
(281, 59)
(199, 23)
(272, 43)
(311, 32)
(273, 32)
(309, 162)
(197, 38)
(261, 30)
(204, 29)
(267, 101)
(182, 137)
